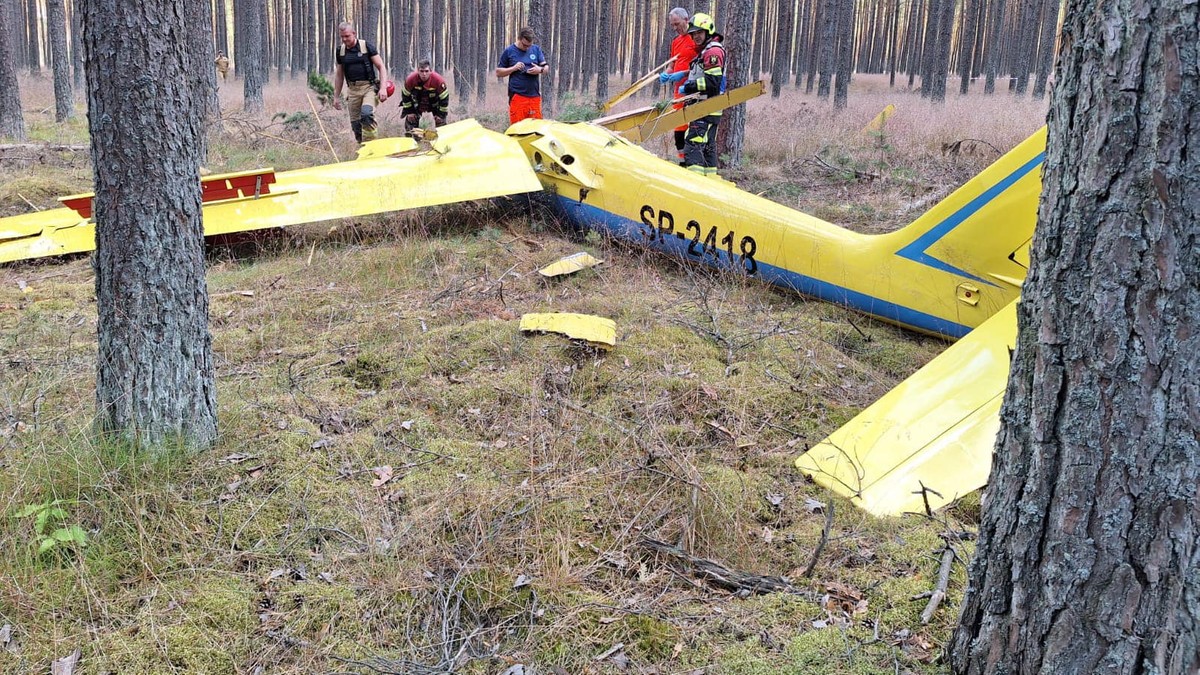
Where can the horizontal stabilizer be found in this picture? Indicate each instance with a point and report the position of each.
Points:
(930, 439)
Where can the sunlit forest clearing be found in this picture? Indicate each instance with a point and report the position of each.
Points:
(405, 482)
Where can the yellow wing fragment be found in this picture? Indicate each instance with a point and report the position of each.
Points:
(570, 264)
(636, 86)
(643, 124)
(489, 164)
(596, 330)
(880, 120)
(933, 433)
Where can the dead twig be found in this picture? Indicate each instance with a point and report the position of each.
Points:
(720, 575)
(812, 564)
(939, 590)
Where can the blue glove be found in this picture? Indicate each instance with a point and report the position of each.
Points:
(671, 77)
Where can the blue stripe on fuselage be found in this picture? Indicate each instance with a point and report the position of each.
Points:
(915, 251)
(586, 215)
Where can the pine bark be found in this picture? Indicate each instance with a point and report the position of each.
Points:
(253, 59)
(994, 44)
(154, 371)
(604, 37)
(783, 46)
(33, 37)
(828, 41)
(1088, 559)
(845, 54)
(12, 119)
(1045, 60)
(738, 32)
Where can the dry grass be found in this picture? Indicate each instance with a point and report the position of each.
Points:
(524, 469)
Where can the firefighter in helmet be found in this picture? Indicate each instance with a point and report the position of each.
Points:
(706, 76)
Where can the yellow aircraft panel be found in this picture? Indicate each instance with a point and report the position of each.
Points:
(935, 430)
(476, 164)
(596, 330)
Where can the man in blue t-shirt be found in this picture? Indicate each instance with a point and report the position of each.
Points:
(522, 62)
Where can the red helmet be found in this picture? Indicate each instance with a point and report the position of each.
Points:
(390, 88)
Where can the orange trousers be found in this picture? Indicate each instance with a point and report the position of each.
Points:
(523, 108)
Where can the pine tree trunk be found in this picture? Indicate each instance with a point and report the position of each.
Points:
(33, 35)
(939, 62)
(738, 31)
(254, 64)
(12, 119)
(783, 47)
(1046, 42)
(1088, 559)
(76, 47)
(603, 39)
(845, 54)
(154, 372)
(425, 29)
(828, 45)
(994, 44)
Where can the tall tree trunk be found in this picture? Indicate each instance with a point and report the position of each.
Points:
(203, 79)
(828, 42)
(845, 53)
(604, 38)
(60, 60)
(12, 119)
(1088, 558)
(33, 35)
(254, 63)
(1025, 44)
(540, 19)
(738, 31)
(939, 62)
(154, 371)
(994, 48)
(221, 22)
(76, 46)
(425, 29)
(783, 47)
(1046, 42)
(966, 52)
(370, 22)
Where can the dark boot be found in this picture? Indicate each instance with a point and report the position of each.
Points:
(357, 128)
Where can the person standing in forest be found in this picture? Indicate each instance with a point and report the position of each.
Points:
(360, 67)
(522, 62)
(424, 91)
(706, 76)
(222, 63)
(683, 50)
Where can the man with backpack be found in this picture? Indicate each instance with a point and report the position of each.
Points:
(707, 78)
(360, 67)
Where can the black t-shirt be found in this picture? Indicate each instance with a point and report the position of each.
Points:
(356, 65)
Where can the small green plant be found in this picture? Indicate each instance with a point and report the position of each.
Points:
(572, 109)
(52, 515)
(322, 86)
(293, 121)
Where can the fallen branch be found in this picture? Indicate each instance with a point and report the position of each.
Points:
(939, 590)
(53, 147)
(824, 540)
(720, 575)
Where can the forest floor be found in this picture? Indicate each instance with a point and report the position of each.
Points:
(407, 483)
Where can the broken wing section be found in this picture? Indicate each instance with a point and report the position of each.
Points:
(468, 162)
(931, 437)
